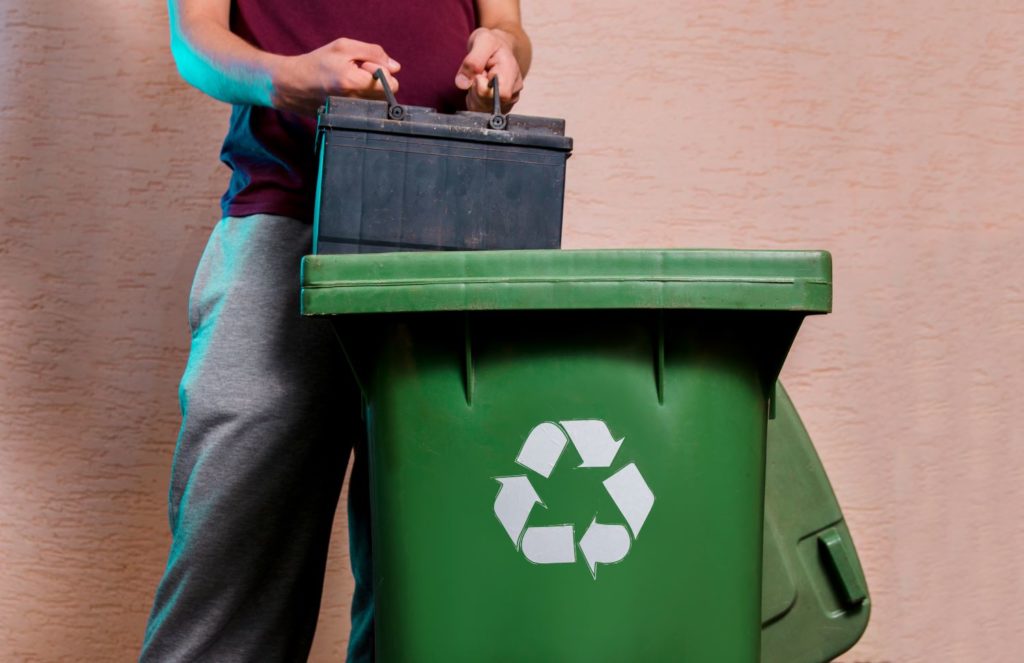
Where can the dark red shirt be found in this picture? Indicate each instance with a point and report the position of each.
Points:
(270, 152)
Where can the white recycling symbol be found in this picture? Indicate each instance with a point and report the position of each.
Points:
(601, 543)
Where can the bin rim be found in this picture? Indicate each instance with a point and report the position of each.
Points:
(707, 279)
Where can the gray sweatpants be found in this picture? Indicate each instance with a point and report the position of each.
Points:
(269, 418)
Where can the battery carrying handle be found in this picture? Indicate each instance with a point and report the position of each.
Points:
(396, 111)
(498, 119)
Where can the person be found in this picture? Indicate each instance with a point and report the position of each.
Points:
(269, 414)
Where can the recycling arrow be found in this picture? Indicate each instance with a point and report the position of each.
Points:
(593, 441)
(542, 448)
(630, 493)
(601, 543)
(604, 544)
(549, 545)
(515, 500)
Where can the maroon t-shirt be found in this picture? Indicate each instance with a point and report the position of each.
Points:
(270, 152)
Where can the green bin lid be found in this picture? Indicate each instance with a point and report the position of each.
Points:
(799, 281)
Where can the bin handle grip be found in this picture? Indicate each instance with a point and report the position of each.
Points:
(498, 119)
(396, 111)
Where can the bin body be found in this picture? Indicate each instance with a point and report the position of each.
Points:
(463, 357)
(815, 602)
(434, 181)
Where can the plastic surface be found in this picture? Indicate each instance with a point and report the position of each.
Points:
(815, 604)
(648, 542)
(682, 278)
(432, 181)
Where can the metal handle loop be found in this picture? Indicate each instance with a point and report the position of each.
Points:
(498, 119)
(395, 110)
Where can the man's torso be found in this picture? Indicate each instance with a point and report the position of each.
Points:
(271, 152)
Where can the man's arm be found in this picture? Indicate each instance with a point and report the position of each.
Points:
(226, 67)
(498, 47)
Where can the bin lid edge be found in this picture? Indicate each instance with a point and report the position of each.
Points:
(578, 279)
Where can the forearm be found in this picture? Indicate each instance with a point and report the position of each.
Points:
(498, 48)
(219, 63)
(513, 33)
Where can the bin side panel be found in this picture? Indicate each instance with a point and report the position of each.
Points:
(816, 621)
(452, 584)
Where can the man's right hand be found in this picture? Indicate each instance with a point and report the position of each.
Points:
(342, 68)
(228, 68)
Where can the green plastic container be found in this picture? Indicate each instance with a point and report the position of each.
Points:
(815, 602)
(568, 447)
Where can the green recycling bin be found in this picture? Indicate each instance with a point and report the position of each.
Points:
(567, 448)
(814, 598)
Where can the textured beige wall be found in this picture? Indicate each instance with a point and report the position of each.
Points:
(891, 133)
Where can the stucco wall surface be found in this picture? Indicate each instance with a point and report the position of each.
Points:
(891, 133)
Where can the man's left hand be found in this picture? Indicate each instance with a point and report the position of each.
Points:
(490, 54)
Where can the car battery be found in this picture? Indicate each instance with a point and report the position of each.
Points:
(408, 178)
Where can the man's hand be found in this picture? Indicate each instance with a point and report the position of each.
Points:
(226, 67)
(490, 55)
(499, 47)
(342, 68)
